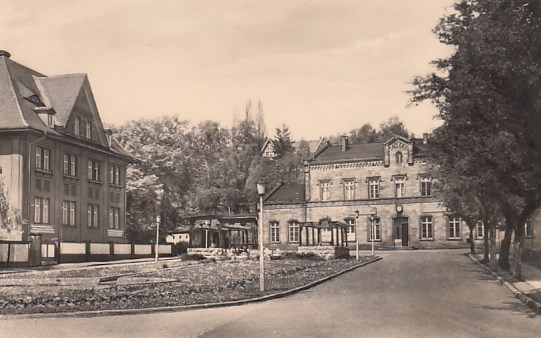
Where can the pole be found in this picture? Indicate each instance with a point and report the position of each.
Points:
(372, 235)
(156, 248)
(261, 256)
(356, 238)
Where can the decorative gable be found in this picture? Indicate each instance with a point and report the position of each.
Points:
(398, 150)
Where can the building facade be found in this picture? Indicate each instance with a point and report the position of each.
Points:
(380, 192)
(61, 170)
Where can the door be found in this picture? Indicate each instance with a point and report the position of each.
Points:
(401, 231)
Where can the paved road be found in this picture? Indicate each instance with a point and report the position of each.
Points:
(407, 294)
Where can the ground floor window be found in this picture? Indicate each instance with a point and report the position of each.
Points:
(374, 229)
(114, 218)
(426, 227)
(68, 212)
(479, 230)
(454, 228)
(275, 232)
(294, 231)
(350, 229)
(93, 215)
(41, 210)
(528, 229)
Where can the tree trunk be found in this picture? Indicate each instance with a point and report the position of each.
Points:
(503, 261)
(493, 263)
(518, 245)
(485, 243)
(472, 242)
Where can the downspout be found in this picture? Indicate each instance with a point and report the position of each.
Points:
(29, 201)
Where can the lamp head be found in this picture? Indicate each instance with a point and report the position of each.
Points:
(357, 213)
(260, 188)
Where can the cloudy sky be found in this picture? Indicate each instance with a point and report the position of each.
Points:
(321, 67)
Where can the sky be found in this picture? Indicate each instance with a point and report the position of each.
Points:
(321, 67)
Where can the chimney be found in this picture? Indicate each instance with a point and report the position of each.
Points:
(109, 135)
(5, 54)
(425, 138)
(345, 143)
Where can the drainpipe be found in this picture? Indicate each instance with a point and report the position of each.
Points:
(29, 201)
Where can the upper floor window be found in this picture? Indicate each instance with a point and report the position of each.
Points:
(349, 189)
(114, 218)
(294, 231)
(70, 165)
(93, 216)
(325, 190)
(77, 126)
(43, 158)
(68, 212)
(427, 227)
(50, 120)
(373, 187)
(41, 210)
(114, 174)
(426, 186)
(374, 231)
(398, 157)
(400, 186)
(275, 232)
(454, 228)
(94, 170)
(88, 130)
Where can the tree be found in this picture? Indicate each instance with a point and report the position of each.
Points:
(393, 127)
(365, 134)
(283, 143)
(490, 86)
(10, 218)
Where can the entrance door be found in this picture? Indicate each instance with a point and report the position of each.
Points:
(400, 225)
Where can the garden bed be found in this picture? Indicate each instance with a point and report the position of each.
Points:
(171, 283)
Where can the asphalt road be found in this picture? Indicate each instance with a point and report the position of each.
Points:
(407, 294)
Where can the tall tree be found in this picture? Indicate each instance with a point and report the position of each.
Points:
(283, 142)
(491, 86)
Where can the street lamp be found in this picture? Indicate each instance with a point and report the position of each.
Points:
(158, 219)
(261, 192)
(356, 235)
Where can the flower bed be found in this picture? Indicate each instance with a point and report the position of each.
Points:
(181, 283)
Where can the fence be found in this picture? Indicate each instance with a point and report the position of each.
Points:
(14, 254)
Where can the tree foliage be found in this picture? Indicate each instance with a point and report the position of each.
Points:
(488, 95)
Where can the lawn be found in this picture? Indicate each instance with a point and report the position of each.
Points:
(168, 283)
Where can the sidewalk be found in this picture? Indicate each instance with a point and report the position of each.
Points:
(528, 290)
(82, 265)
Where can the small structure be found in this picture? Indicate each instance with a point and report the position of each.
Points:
(223, 231)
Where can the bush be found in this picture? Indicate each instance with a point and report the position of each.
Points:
(296, 255)
(180, 248)
(194, 257)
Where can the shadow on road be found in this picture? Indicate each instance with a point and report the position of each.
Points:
(514, 306)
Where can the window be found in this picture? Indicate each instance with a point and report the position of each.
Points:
(77, 126)
(275, 232)
(93, 170)
(426, 186)
(349, 189)
(373, 187)
(398, 156)
(294, 231)
(374, 231)
(43, 158)
(50, 120)
(426, 227)
(528, 229)
(114, 218)
(325, 190)
(400, 186)
(88, 130)
(41, 210)
(454, 228)
(479, 230)
(350, 229)
(70, 165)
(114, 174)
(93, 215)
(68, 213)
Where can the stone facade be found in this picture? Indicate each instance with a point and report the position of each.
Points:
(387, 185)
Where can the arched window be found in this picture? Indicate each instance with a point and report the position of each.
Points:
(398, 157)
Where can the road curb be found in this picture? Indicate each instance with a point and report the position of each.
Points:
(524, 298)
(180, 308)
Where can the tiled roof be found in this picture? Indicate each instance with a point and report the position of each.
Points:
(286, 193)
(366, 151)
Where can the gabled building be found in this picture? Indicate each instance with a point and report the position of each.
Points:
(379, 192)
(268, 150)
(62, 170)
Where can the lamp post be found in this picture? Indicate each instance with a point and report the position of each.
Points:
(158, 219)
(261, 192)
(356, 235)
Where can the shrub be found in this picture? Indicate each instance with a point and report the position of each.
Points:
(194, 257)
